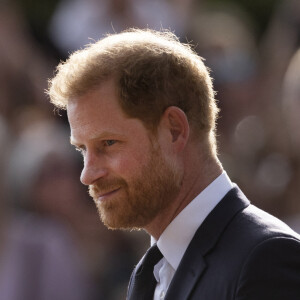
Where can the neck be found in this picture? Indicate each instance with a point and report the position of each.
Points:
(197, 177)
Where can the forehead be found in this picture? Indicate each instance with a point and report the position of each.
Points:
(98, 112)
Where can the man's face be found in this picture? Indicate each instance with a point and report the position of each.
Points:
(129, 176)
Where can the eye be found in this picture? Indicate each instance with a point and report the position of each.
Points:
(109, 142)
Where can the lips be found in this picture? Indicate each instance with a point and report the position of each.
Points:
(105, 195)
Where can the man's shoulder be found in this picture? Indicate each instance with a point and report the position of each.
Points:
(257, 224)
(235, 225)
(252, 230)
(246, 221)
(268, 253)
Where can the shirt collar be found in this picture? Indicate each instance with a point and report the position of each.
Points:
(175, 239)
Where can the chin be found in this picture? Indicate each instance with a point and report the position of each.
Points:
(127, 222)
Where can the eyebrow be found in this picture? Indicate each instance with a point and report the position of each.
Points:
(102, 136)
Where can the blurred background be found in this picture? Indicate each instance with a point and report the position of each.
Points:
(52, 243)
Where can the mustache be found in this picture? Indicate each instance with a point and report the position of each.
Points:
(104, 186)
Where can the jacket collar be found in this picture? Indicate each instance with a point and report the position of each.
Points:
(193, 262)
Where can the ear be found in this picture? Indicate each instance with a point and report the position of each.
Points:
(176, 123)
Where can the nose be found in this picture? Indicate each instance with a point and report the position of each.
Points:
(93, 169)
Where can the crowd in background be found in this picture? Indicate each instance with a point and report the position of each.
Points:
(52, 243)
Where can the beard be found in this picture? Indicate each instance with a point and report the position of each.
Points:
(141, 198)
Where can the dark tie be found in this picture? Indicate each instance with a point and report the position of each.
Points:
(143, 280)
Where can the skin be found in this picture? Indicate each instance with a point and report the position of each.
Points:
(119, 151)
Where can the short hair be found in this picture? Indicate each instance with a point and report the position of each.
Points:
(152, 71)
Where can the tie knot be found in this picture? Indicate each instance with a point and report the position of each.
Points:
(152, 257)
(143, 281)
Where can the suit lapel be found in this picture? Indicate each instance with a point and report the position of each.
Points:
(193, 265)
(186, 276)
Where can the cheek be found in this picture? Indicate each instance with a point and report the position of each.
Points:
(130, 163)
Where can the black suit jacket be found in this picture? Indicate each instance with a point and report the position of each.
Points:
(239, 252)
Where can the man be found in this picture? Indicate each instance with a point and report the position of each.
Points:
(142, 111)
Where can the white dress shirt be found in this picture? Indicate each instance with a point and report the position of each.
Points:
(177, 236)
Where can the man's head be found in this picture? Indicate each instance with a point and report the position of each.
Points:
(152, 71)
(131, 173)
(134, 101)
